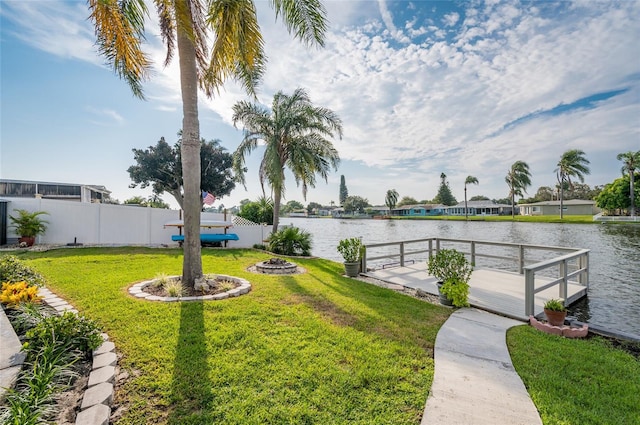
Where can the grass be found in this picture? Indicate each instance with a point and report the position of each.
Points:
(573, 381)
(307, 348)
(582, 219)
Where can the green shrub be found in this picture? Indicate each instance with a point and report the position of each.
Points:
(13, 270)
(69, 331)
(290, 241)
(350, 249)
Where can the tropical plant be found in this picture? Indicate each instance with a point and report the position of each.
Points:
(555, 305)
(452, 268)
(260, 211)
(295, 133)
(468, 180)
(14, 270)
(344, 192)
(631, 161)
(572, 164)
(237, 51)
(350, 249)
(290, 241)
(391, 199)
(518, 179)
(29, 224)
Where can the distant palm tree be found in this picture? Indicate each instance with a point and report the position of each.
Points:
(294, 132)
(631, 162)
(391, 199)
(572, 164)
(518, 179)
(469, 180)
(188, 27)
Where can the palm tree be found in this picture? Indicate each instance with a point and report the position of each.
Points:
(236, 51)
(572, 164)
(518, 179)
(391, 199)
(631, 161)
(295, 133)
(469, 180)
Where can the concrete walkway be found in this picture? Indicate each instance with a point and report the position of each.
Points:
(474, 380)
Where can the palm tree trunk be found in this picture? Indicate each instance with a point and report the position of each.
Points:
(631, 183)
(466, 217)
(190, 149)
(561, 199)
(277, 198)
(513, 208)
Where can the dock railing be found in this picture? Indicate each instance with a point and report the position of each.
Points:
(572, 265)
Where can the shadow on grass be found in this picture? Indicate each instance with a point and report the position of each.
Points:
(191, 386)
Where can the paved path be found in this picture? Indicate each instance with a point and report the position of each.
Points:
(474, 380)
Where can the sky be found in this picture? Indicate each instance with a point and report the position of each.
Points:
(422, 88)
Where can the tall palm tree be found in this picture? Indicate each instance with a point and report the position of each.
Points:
(631, 161)
(236, 51)
(572, 164)
(295, 133)
(391, 200)
(468, 180)
(518, 179)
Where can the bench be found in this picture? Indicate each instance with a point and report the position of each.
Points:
(209, 237)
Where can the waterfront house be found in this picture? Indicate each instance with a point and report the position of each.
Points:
(419, 210)
(480, 208)
(570, 207)
(48, 190)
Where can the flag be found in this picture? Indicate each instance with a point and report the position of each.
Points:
(208, 198)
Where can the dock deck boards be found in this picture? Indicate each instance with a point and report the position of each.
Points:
(497, 291)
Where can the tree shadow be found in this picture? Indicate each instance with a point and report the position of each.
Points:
(191, 385)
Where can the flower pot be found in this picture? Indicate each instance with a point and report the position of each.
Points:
(27, 240)
(555, 318)
(443, 298)
(352, 269)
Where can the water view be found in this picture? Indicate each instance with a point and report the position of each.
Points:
(614, 291)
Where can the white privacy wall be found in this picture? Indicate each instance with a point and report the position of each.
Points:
(106, 224)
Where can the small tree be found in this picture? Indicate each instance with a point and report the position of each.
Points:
(160, 167)
(391, 199)
(573, 163)
(355, 204)
(631, 162)
(444, 196)
(518, 179)
(260, 211)
(344, 193)
(407, 200)
(468, 180)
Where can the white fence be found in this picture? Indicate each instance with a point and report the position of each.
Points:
(105, 224)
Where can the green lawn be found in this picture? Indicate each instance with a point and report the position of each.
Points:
(577, 381)
(307, 348)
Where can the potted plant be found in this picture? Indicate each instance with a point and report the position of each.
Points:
(351, 250)
(555, 311)
(452, 270)
(28, 225)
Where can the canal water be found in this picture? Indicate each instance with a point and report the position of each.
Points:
(614, 276)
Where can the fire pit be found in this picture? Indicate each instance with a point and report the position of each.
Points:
(276, 266)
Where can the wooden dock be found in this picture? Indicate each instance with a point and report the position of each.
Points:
(492, 290)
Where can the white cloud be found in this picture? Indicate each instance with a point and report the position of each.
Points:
(420, 109)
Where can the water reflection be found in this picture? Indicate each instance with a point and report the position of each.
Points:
(614, 293)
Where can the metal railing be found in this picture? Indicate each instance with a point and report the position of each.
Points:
(574, 263)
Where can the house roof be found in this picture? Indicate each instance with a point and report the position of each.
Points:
(481, 204)
(557, 203)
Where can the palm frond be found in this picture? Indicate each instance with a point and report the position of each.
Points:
(307, 19)
(119, 29)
